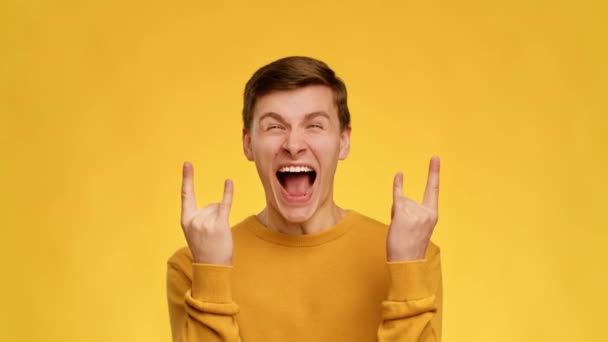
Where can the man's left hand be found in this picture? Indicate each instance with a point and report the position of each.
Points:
(412, 224)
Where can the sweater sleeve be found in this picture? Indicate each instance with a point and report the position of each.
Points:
(200, 305)
(412, 310)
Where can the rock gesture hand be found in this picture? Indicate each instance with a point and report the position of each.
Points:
(411, 223)
(207, 230)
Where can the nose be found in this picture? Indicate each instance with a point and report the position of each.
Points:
(294, 143)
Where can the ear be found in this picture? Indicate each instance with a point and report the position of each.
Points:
(247, 145)
(344, 143)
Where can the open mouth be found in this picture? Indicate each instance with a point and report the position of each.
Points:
(296, 180)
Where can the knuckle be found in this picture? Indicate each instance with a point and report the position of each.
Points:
(432, 216)
(185, 222)
(223, 207)
(400, 205)
(199, 223)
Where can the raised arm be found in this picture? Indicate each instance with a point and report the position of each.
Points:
(199, 289)
(413, 309)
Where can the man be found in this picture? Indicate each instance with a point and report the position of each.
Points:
(304, 269)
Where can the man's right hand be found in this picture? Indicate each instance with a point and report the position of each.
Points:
(207, 230)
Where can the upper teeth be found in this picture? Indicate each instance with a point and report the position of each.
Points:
(295, 169)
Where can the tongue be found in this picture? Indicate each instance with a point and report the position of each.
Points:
(297, 184)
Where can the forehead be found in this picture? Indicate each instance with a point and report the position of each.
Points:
(295, 104)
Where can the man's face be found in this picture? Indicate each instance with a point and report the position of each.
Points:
(295, 141)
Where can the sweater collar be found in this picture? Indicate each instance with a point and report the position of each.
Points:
(304, 240)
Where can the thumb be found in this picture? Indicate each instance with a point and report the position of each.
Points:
(398, 186)
(227, 199)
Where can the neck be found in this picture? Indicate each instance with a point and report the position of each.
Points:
(324, 218)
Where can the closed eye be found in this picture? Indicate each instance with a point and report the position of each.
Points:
(271, 127)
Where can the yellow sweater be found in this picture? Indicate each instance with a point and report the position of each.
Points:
(335, 285)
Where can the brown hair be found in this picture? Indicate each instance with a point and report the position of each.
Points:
(291, 73)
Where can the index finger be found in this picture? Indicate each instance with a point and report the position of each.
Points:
(227, 199)
(188, 197)
(431, 193)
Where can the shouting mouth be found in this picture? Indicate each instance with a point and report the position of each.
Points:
(296, 182)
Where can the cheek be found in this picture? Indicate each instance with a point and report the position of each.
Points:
(265, 152)
(324, 143)
(267, 147)
(326, 150)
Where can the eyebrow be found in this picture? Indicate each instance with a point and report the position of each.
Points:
(278, 117)
(315, 114)
(272, 115)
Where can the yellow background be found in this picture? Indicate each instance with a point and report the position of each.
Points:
(102, 101)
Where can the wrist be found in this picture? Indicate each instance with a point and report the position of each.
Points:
(211, 259)
(405, 254)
